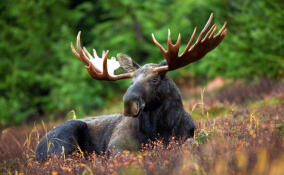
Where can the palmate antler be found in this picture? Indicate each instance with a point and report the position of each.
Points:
(101, 71)
(94, 69)
(194, 53)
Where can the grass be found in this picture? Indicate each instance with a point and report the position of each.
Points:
(235, 135)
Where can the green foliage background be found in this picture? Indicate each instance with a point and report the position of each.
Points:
(40, 77)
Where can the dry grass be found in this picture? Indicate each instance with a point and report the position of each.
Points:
(233, 137)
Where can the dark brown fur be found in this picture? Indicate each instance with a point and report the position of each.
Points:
(152, 109)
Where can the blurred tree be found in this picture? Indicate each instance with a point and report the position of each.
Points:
(254, 45)
(33, 48)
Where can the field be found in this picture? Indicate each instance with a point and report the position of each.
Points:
(240, 130)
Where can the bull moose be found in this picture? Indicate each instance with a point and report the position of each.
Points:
(152, 104)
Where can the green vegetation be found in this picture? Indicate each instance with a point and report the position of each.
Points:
(40, 77)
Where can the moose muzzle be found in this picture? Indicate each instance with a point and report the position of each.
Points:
(133, 102)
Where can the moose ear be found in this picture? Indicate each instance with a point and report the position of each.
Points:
(126, 63)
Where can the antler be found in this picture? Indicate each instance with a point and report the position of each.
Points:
(194, 53)
(98, 69)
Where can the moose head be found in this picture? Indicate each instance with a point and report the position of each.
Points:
(149, 83)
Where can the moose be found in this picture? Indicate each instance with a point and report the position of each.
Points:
(153, 106)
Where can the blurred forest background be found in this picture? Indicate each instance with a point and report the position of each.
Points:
(39, 76)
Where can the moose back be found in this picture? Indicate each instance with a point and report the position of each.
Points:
(152, 104)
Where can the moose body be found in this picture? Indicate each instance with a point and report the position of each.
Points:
(162, 117)
(152, 104)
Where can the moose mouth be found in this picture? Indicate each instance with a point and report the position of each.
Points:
(133, 109)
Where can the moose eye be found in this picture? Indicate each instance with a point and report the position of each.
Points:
(155, 80)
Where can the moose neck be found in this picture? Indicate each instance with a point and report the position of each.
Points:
(159, 117)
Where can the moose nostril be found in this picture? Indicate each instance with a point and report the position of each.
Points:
(135, 108)
(131, 107)
(133, 101)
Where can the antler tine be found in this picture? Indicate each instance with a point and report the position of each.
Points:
(158, 44)
(172, 48)
(87, 53)
(82, 57)
(90, 67)
(74, 51)
(178, 40)
(208, 33)
(205, 28)
(191, 54)
(169, 38)
(105, 70)
(222, 29)
(213, 32)
(103, 53)
(85, 57)
(95, 53)
(190, 41)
